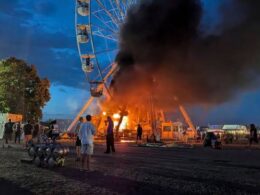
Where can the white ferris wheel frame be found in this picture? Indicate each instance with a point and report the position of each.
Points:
(116, 15)
(110, 14)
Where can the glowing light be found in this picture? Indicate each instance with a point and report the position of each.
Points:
(116, 123)
(127, 141)
(104, 113)
(116, 116)
(124, 123)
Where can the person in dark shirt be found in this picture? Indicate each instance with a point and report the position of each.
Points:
(78, 141)
(139, 133)
(35, 133)
(18, 133)
(51, 131)
(110, 135)
(8, 132)
(27, 129)
(253, 134)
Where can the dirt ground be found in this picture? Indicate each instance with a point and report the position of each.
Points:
(137, 170)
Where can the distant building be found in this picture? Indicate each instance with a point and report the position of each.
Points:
(235, 129)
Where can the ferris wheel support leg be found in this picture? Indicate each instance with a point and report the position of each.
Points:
(187, 118)
(85, 107)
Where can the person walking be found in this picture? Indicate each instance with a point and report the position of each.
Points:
(139, 133)
(78, 142)
(8, 131)
(86, 135)
(253, 135)
(27, 129)
(110, 136)
(18, 132)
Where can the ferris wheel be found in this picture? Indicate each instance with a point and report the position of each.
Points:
(97, 24)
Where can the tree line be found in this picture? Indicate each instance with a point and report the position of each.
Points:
(22, 91)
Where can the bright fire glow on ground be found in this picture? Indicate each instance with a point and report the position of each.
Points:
(127, 141)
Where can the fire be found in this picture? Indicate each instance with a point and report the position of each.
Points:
(124, 123)
(116, 123)
(116, 116)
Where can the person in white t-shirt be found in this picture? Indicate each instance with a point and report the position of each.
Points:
(86, 135)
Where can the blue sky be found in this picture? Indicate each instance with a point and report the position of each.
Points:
(42, 33)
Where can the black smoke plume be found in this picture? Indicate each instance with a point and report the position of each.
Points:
(164, 52)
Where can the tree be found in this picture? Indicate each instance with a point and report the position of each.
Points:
(22, 91)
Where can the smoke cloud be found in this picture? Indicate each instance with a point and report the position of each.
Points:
(164, 53)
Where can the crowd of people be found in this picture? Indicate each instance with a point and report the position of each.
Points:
(84, 139)
(17, 131)
(85, 132)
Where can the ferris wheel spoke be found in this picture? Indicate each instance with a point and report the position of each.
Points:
(115, 10)
(106, 51)
(104, 29)
(105, 25)
(107, 69)
(119, 8)
(112, 17)
(130, 3)
(99, 34)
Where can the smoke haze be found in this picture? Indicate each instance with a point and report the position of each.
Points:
(164, 52)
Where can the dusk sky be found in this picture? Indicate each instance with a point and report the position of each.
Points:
(42, 33)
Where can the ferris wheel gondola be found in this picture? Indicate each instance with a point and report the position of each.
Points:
(83, 7)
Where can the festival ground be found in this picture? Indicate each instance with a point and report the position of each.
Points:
(138, 170)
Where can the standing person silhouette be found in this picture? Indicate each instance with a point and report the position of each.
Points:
(139, 133)
(27, 129)
(18, 132)
(78, 142)
(253, 135)
(110, 136)
(8, 131)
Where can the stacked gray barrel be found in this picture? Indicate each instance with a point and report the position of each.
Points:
(48, 155)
